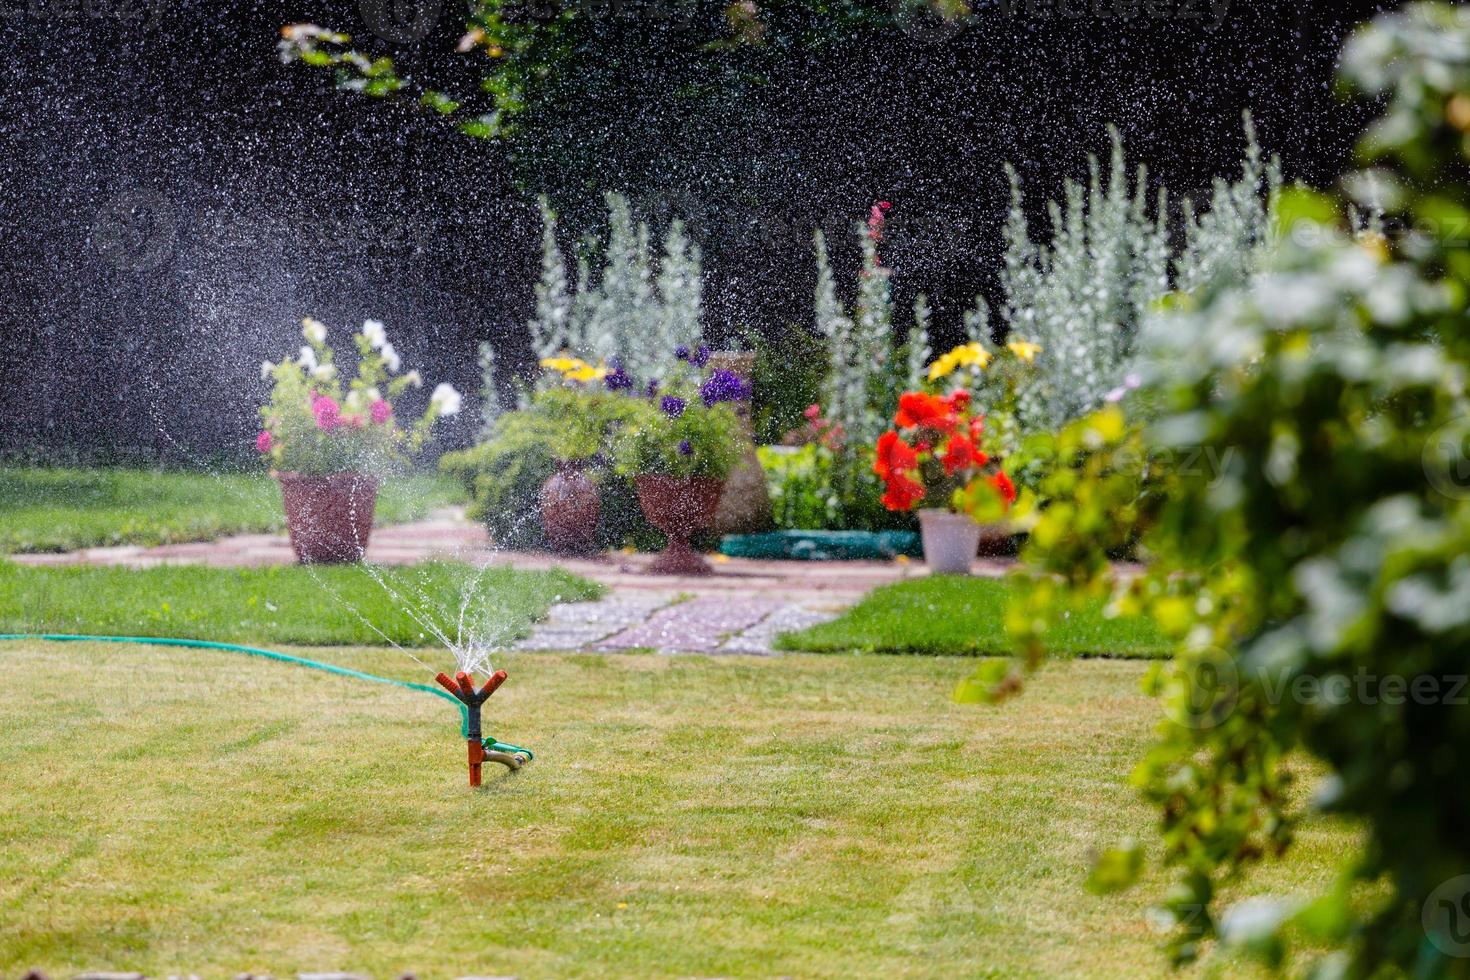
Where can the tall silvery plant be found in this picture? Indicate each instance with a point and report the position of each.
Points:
(1230, 241)
(628, 311)
(1084, 295)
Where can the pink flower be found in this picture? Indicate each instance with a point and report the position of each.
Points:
(328, 413)
(381, 411)
(263, 442)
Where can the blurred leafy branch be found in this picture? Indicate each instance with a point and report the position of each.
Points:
(1314, 578)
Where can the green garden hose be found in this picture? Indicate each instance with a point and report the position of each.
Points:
(285, 658)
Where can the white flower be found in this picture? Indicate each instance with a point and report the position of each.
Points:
(307, 359)
(324, 372)
(414, 379)
(390, 357)
(266, 367)
(375, 334)
(445, 398)
(314, 330)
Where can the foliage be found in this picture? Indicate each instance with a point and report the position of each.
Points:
(504, 474)
(1315, 583)
(787, 380)
(289, 604)
(799, 482)
(948, 615)
(49, 510)
(678, 431)
(311, 428)
(1084, 296)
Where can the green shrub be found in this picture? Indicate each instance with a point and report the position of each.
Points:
(505, 473)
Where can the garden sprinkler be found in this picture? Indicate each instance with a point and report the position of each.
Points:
(480, 748)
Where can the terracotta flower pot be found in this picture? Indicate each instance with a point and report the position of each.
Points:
(951, 541)
(679, 507)
(570, 508)
(329, 517)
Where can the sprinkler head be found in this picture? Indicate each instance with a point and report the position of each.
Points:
(462, 686)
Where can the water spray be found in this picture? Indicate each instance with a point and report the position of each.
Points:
(463, 688)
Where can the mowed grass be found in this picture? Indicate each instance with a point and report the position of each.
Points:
(170, 811)
(946, 614)
(47, 510)
(318, 605)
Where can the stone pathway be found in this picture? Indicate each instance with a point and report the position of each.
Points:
(740, 609)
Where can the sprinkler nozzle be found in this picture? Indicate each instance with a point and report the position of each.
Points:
(463, 688)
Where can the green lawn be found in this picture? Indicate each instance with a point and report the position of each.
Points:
(66, 509)
(947, 614)
(321, 605)
(172, 811)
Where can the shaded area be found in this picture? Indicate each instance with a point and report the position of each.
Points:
(172, 198)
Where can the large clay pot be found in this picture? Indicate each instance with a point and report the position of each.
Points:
(570, 508)
(329, 517)
(679, 507)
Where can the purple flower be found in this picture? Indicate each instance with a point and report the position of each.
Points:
(652, 389)
(617, 379)
(700, 357)
(724, 386)
(673, 407)
(685, 449)
(682, 352)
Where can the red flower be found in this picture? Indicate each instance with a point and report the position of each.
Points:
(961, 454)
(1003, 484)
(959, 400)
(903, 493)
(917, 409)
(977, 428)
(894, 456)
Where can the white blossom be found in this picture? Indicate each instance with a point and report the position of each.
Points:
(314, 330)
(375, 333)
(266, 367)
(390, 357)
(414, 379)
(307, 359)
(445, 398)
(324, 372)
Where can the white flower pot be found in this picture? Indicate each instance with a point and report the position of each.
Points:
(951, 541)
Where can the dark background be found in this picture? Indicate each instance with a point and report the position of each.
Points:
(173, 198)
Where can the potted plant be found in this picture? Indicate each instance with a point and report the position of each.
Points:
(328, 447)
(678, 448)
(589, 406)
(934, 453)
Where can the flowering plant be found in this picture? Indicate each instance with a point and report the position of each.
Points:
(685, 426)
(313, 426)
(935, 452)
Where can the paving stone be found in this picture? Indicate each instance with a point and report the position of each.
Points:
(761, 638)
(697, 626)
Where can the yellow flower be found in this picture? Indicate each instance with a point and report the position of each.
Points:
(574, 368)
(585, 372)
(972, 354)
(1024, 349)
(564, 363)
